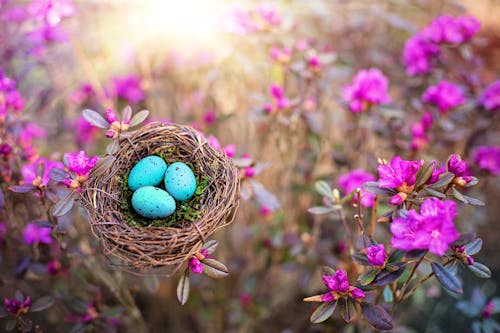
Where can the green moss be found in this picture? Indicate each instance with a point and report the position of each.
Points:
(185, 210)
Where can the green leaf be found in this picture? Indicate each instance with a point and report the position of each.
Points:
(373, 187)
(396, 256)
(42, 303)
(386, 277)
(480, 270)
(458, 195)
(388, 296)
(323, 188)
(210, 246)
(434, 193)
(377, 316)
(139, 118)
(361, 259)
(325, 270)
(444, 180)
(473, 246)
(95, 118)
(214, 269)
(183, 288)
(368, 277)
(113, 146)
(424, 173)
(320, 210)
(323, 312)
(11, 324)
(446, 278)
(347, 309)
(63, 206)
(473, 201)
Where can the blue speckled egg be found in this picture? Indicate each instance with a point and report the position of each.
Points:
(180, 181)
(153, 202)
(147, 172)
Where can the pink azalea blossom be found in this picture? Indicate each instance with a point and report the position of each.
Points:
(446, 29)
(419, 132)
(10, 98)
(282, 56)
(79, 163)
(418, 55)
(230, 150)
(51, 11)
(85, 132)
(195, 265)
(376, 255)
(369, 87)
(445, 96)
(210, 117)
(84, 94)
(338, 283)
(35, 234)
(460, 168)
(488, 158)
(29, 171)
(355, 179)
(400, 175)
(431, 229)
(17, 307)
(490, 98)
(127, 87)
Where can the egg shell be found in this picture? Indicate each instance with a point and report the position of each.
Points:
(147, 172)
(180, 181)
(153, 202)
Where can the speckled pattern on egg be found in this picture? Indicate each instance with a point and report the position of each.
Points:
(153, 202)
(147, 172)
(180, 181)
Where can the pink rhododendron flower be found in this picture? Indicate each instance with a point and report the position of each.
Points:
(127, 87)
(84, 94)
(446, 29)
(210, 117)
(17, 307)
(282, 56)
(79, 164)
(51, 11)
(35, 234)
(10, 98)
(29, 171)
(195, 264)
(280, 101)
(85, 132)
(400, 175)
(214, 142)
(230, 150)
(431, 229)
(376, 255)
(339, 285)
(369, 87)
(444, 96)
(488, 158)
(419, 132)
(490, 98)
(418, 54)
(460, 168)
(355, 179)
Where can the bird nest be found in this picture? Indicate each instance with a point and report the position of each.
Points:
(140, 246)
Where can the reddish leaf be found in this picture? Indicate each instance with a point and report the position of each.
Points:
(95, 118)
(139, 118)
(183, 288)
(22, 188)
(377, 316)
(214, 269)
(323, 312)
(42, 303)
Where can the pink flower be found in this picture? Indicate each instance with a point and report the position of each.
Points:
(51, 11)
(282, 56)
(268, 13)
(446, 29)
(460, 168)
(418, 54)
(490, 98)
(85, 132)
(195, 265)
(249, 172)
(280, 101)
(398, 173)
(35, 234)
(127, 87)
(339, 285)
(16, 306)
(84, 94)
(432, 229)
(488, 158)
(230, 150)
(214, 142)
(369, 87)
(210, 117)
(444, 96)
(376, 255)
(111, 116)
(79, 163)
(10, 98)
(419, 132)
(355, 179)
(30, 174)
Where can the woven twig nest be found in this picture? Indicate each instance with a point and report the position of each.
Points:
(153, 246)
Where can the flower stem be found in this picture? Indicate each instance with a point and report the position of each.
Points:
(373, 217)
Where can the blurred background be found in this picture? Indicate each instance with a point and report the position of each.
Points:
(210, 64)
